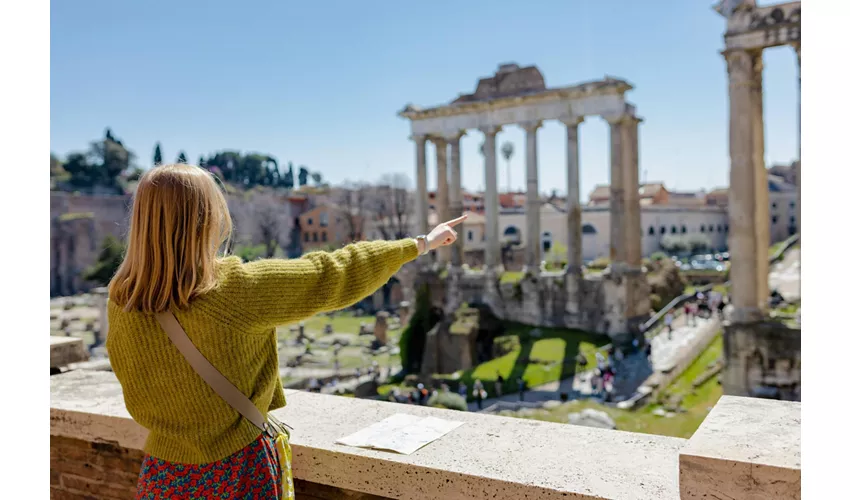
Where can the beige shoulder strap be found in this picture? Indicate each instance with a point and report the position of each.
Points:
(219, 383)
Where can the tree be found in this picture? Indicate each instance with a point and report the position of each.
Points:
(317, 178)
(507, 153)
(108, 260)
(201, 162)
(288, 181)
(302, 176)
(157, 155)
(181, 158)
(350, 199)
(272, 221)
(391, 205)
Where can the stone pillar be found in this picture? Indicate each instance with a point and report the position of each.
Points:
(381, 326)
(574, 249)
(456, 200)
(631, 193)
(421, 185)
(762, 222)
(616, 201)
(101, 297)
(443, 253)
(492, 249)
(532, 200)
(797, 220)
(742, 188)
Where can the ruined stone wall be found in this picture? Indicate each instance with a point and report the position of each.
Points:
(615, 307)
(762, 360)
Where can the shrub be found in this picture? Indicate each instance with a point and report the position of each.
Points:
(656, 256)
(666, 283)
(248, 253)
(108, 260)
(450, 400)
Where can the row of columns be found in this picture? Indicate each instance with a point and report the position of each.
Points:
(625, 251)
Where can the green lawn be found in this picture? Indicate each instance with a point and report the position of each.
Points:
(547, 358)
(697, 403)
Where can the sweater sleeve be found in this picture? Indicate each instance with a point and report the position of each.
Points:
(281, 291)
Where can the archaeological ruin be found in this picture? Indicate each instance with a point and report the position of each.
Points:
(762, 356)
(616, 302)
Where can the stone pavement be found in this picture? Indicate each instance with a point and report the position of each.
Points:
(785, 275)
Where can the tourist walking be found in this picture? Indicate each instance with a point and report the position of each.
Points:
(461, 389)
(173, 290)
(668, 322)
(499, 382)
(478, 392)
(521, 384)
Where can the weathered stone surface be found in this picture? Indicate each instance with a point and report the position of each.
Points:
(381, 327)
(745, 449)
(592, 418)
(66, 350)
(762, 360)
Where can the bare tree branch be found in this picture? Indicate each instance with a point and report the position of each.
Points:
(392, 206)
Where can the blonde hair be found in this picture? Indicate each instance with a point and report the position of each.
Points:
(179, 221)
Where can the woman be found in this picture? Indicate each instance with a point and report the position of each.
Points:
(199, 446)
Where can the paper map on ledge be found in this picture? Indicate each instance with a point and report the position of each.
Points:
(401, 433)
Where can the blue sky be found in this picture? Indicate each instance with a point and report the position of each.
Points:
(319, 83)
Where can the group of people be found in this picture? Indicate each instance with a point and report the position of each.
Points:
(706, 305)
(418, 396)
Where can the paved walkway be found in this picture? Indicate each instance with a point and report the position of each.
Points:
(785, 275)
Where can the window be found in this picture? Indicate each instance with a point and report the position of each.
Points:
(702, 228)
(309, 221)
(469, 236)
(711, 228)
(306, 236)
(324, 236)
(684, 229)
(323, 219)
(672, 229)
(773, 204)
(651, 231)
(792, 220)
(774, 218)
(791, 204)
(726, 228)
(588, 229)
(662, 229)
(315, 236)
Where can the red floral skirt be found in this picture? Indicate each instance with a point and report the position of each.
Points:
(252, 473)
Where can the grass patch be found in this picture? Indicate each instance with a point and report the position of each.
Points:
(697, 402)
(538, 360)
(511, 277)
(344, 322)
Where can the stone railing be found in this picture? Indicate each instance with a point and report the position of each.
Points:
(746, 448)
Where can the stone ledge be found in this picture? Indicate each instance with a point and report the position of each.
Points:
(488, 457)
(746, 448)
(66, 350)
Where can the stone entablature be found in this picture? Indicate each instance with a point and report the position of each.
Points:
(751, 27)
(95, 452)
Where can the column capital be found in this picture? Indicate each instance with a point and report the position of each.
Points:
(418, 138)
(621, 119)
(455, 137)
(438, 141)
(491, 129)
(531, 126)
(571, 121)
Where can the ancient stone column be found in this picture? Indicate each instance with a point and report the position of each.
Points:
(532, 200)
(456, 199)
(631, 192)
(616, 201)
(443, 253)
(421, 185)
(762, 222)
(742, 188)
(492, 249)
(797, 213)
(574, 249)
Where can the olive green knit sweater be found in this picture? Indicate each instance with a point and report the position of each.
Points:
(234, 327)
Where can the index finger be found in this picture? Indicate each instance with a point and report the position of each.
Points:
(455, 222)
